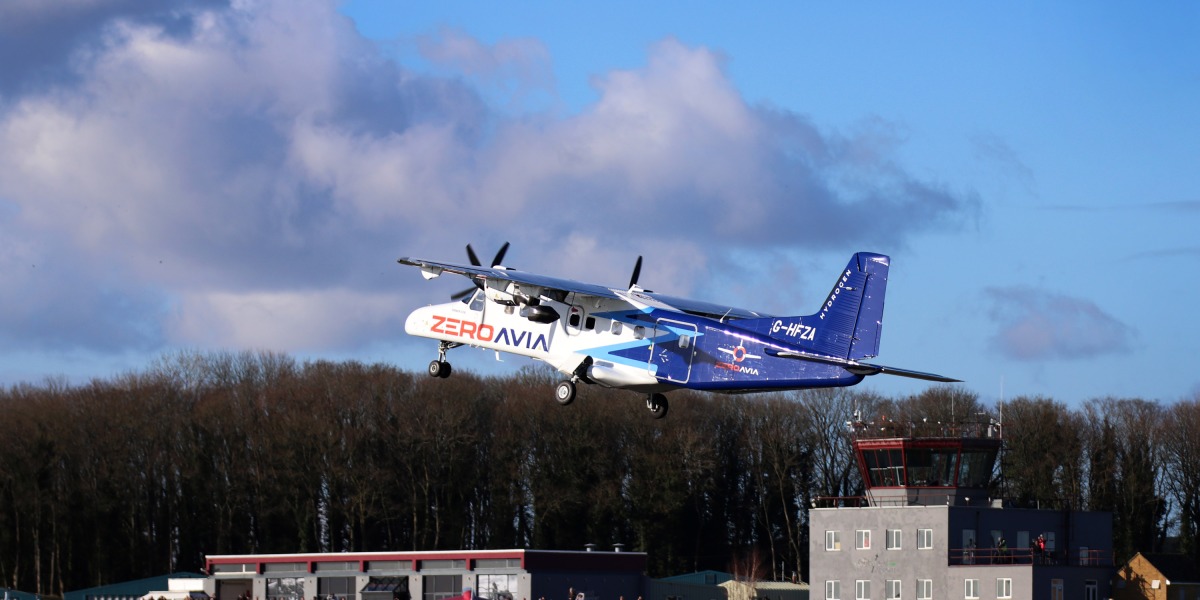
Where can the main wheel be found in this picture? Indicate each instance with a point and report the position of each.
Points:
(657, 403)
(564, 392)
(445, 372)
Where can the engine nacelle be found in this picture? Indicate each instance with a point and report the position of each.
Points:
(540, 314)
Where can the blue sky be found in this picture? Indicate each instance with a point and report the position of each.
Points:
(214, 176)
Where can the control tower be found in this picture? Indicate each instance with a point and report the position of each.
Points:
(927, 527)
(946, 466)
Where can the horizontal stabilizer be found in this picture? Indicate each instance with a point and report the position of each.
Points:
(859, 368)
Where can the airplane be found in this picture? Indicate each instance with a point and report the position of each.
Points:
(635, 339)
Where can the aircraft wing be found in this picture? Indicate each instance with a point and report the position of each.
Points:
(706, 309)
(860, 368)
(431, 269)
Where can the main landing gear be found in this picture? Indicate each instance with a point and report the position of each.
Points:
(564, 392)
(657, 404)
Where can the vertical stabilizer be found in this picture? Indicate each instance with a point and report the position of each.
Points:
(848, 324)
(869, 325)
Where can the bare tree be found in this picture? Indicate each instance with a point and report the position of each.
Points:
(1181, 448)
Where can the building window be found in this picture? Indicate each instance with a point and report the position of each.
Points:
(1089, 590)
(833, 541)
(340, 588)
(862, 539)
(1056, 589)
(285, 588)
(892, 541)
(924, 589)
(924, 539)
(892, 587)
(862, 590)
(497, 586)
(833, 590)
(497, 563)
(235, 568)
(440, 587)
(1003, 587)
(971, 588)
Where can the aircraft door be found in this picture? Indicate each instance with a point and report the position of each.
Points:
(673, 349)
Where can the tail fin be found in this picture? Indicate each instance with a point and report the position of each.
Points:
(850, 320)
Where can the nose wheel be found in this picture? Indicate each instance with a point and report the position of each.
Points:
(440, 368)
(657, 405)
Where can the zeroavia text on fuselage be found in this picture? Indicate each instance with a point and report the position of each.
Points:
(635, 339)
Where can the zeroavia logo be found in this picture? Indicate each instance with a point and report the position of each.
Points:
(483, 332)
(737, 355)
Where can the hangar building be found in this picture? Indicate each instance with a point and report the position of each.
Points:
(492, 574)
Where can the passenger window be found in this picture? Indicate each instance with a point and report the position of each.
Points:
(684, 341)
(590, 323)
(616, 328)
(639, 332)
(574, 320)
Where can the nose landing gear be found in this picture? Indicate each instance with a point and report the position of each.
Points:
(440, 368)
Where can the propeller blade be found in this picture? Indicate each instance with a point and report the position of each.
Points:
(475, 261)
(637, 272)
(500, 254)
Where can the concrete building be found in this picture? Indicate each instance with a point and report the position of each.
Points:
(927, 530)
(491, 574)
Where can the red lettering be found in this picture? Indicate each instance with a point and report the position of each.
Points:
(468, 329)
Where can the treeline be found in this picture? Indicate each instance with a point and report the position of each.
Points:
(255, 453)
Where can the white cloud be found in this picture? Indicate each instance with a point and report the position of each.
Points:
(1034, 324)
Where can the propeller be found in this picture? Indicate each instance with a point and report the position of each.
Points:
(475, 261)
(637, 271)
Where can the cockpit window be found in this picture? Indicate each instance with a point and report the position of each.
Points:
(477, 300)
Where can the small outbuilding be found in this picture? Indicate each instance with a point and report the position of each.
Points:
(1155, 576)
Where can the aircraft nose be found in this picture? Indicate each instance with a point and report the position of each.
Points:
(417, 322)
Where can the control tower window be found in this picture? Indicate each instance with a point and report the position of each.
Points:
(885, 466)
